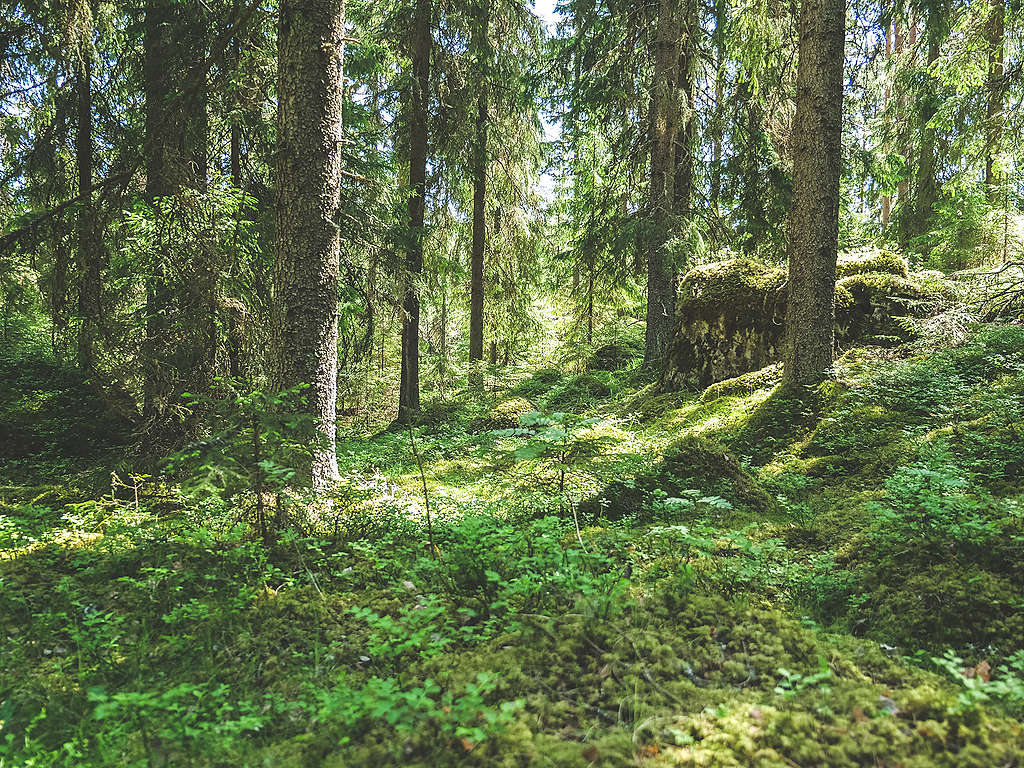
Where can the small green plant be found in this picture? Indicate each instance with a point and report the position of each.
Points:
(792, 683)
(979, 686)
(256, 444)
(933, 503)
(465, 715)
(556, 443)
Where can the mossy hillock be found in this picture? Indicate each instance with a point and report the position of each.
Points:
(690, 463)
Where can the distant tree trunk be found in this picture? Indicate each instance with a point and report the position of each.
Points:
(686, 135)
(308, 172)
(159, 141)
(902, 40)
(418, 104)
(661, 134)
(235, 335)
(718, 118)
(751, 200)
(180, 327)
(814, 217)
(996, 35)
(476, 281)
(90, 248)
(886, 198)
(927, 181)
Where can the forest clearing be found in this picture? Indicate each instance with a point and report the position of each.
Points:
(483, 383)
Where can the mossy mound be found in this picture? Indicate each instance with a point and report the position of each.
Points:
(938, 605)
(503, 415)
(684, 679)
(615, 356)
(877, 261)
(691, 463)
(579, 392)
(740, 386)
(538, 383)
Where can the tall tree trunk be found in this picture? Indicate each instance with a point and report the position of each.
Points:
(718, 118)
(159, 141)
(179, 316)
(686, 135)
(751, 202)
(310, 51)
(663, 122)
(996, 35)
(419, 101)
(926, 191)
(476, 281)
(901, 41)
(90, 247)
(890, 32)
(814, 217)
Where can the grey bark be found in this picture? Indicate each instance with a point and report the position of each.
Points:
(814, 216)
(90, 245)
(418, 102)
(476, 282)
(662, 127)
(308, 175)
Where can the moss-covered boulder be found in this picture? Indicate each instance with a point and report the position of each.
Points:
(871, 260)
(692, 462)
(876, 301)
(730, 317)
(538, 383)
(731, 314)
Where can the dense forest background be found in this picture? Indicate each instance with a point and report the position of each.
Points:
(436, 382)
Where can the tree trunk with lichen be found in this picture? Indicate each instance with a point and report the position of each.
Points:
(308, 175)
(814, 216)
(927, 187)
(175, 350)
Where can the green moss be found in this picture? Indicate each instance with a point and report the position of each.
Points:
(691, 462)
(538, 383)
(734, 285)
(878, 261)
(615, 356)
(917, 604)
(874, 284)
(579, 392)
(743, 385)
(503, 415)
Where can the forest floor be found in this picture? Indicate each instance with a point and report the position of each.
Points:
(609, 577)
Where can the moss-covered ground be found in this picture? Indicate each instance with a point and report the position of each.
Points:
(610, 577)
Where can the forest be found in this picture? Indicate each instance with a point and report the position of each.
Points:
(511, 383)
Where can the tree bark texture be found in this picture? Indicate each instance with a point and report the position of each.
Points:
(662, 127)
(90, 244)
(926, 191)
(418, 105)
(308, 174)
(814, 216)
(476, 282)
(175, 354)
